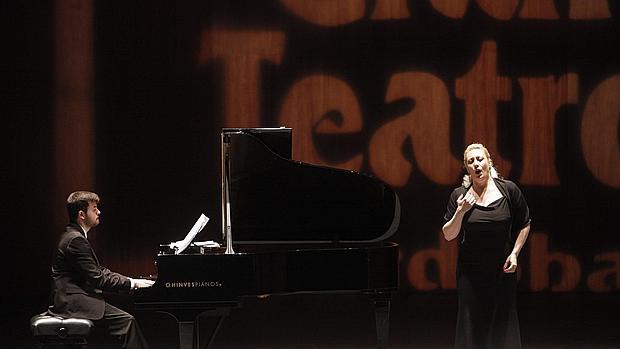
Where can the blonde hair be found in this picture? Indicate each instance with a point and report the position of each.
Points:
(466, 177)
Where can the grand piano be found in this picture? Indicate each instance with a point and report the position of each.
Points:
(287, 228)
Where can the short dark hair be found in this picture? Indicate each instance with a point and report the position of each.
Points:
(79, 201)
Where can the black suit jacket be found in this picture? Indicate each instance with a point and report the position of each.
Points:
(79, 280)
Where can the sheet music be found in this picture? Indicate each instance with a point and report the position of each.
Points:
(180, 246)
(209, 243)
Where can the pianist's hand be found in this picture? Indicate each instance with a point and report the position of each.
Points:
(142, 283)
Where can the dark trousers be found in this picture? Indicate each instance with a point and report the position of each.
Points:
(124, 326)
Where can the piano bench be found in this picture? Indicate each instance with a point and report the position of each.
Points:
(56, 332)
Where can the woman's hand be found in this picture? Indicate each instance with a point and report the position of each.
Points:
(510, 266)
(466, 202)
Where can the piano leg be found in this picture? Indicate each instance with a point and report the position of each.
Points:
(186, 334)
(188, 321)
(188, 330)
(212, 332)
(382, 318)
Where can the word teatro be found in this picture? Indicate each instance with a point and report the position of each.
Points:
(241, 53)
(412, 82)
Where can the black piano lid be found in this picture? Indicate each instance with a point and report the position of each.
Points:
(278, 200)
(278, 140)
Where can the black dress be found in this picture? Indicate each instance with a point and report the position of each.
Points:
(487, 315)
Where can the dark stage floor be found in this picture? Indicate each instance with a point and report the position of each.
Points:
(548, 320)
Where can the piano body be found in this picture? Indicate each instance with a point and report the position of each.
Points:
(288, 227)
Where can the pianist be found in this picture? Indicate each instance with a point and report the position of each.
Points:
(79, 279)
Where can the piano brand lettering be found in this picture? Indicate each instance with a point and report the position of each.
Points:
(193, 284)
